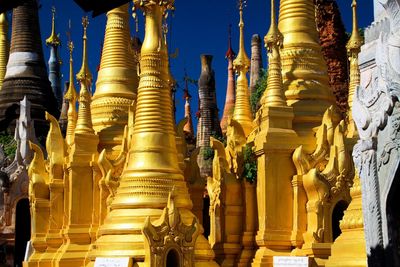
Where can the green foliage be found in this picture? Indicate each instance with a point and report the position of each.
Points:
(207, 153)
(260, 87)
(9, 144)
(250, 164)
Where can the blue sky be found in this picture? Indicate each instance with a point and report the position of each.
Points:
(197, 27)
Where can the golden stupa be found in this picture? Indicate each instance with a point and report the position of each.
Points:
(116, 84)
(123, 188)
(4, 46)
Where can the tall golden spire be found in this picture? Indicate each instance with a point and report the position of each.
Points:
(84, 121)
(117, 82)
(4, 46)
(241, 64)
(273, 95)
(353, 49)
(71, 96)
(152, 170)
(84, 73)
(53, 38)
(304, 69)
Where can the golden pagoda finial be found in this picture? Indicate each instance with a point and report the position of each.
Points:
(71, 96)
(353, 49)
(71, 93)
(54, 39)
(274, 95)
(84, 73)
(242, 61)
(4, 46)
(84, 121)
(242, 113)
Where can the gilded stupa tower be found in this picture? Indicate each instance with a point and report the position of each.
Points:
(353, 49)
(242, 112)
(304, 70)
(152, 171)
(4, 46)
(85, 75)
(117, 82)
(26, 70)
(71, 97)
(230, 87)
(54, 61)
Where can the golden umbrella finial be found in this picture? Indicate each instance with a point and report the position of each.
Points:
(274, 95)
(84, 73)
(54, 39)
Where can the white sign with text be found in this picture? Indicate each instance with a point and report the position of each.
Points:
(112, 262)
(290, 261)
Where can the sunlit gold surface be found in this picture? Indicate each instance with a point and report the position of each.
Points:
(349, 248)
(62, 187)
(353, 49)
(274, 95)
(39, 198)
(304, 70)
(116, 84)
(71, 96)
(80, 176)
(226, 208)
(152, 169)
(4, 46)
(135, 188)
(84, 73)
(241, 64)
(274, 142)
(53, 38)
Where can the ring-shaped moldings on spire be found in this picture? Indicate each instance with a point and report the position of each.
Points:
(274, 36)
(356, 41)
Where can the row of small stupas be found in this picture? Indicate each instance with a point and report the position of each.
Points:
(121, 183)
(279, 187)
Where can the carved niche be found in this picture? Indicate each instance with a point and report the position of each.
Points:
(327, 176)
(168, 240)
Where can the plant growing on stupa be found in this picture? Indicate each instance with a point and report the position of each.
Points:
(260, 87)
(250, 164)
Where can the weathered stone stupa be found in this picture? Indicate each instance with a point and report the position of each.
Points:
(256, 62)
(26, 71)
(208, 123)
(63, 120)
